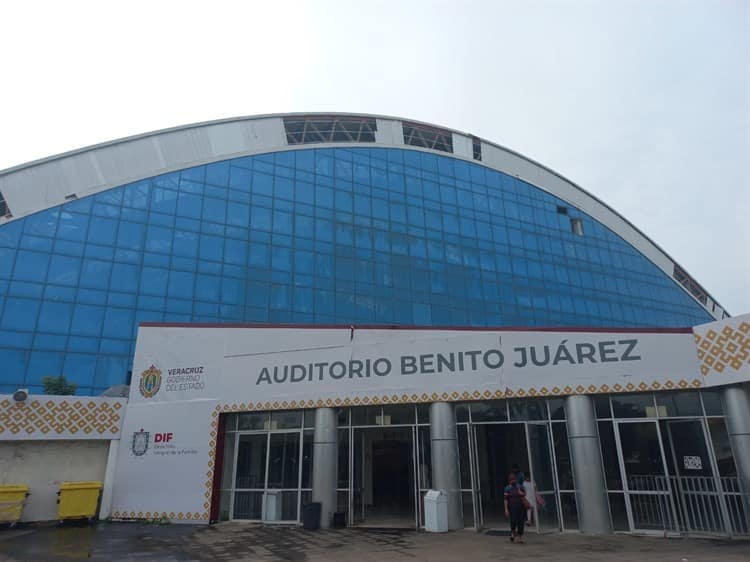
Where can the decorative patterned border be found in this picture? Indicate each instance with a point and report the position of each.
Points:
(187, 516)
(456, 396)
(728, 348)
(60, 418)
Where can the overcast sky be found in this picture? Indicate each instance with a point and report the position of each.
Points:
(646, 104)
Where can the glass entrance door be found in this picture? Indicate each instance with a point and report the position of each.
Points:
(267, 476)
(283, 477)
(384, 484)
(647, 488)
(498, 447)
(694, 483)
(540, 489)
(250, 476)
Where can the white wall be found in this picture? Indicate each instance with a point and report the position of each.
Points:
(44, 465)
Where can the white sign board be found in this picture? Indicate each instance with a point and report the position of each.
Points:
(278, 368)
(165, 462)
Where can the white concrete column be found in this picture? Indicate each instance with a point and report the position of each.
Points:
(737, 412)
(105, 508)
(445, 467)
(325, 463)
(588, 472)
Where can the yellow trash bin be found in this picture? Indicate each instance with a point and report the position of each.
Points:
(78, 500)
(12, 498)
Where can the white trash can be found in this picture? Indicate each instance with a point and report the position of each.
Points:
(272, 505)
(436, 511)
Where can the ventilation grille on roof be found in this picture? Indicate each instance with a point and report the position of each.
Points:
(427, 137)
(4, 210)
(690, 284)
(305, 130)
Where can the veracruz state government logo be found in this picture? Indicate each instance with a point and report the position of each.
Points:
(150, 382)
(139, 446)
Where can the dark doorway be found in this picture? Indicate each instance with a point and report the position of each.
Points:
(384, 477)
(499, 447)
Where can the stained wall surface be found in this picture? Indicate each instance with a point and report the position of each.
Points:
(44, 465)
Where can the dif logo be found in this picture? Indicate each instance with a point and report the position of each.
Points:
(141, 438)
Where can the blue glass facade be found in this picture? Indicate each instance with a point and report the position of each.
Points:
(346, 235)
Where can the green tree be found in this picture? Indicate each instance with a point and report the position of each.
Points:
(58, 386)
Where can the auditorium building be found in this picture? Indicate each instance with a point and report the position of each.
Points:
(353, 310)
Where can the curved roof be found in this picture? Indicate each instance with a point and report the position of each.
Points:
(45, 183)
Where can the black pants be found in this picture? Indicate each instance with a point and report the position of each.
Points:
(517, 519)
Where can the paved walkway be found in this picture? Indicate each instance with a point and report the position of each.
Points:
(133, 541)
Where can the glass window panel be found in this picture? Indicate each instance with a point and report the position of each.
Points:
(557, 408)
(124, 278)
(286, 420)
(562, 456)
(522, 410)
(423, 413)
(110, 370)
(678, 403)
(569, 511)
(102, 231)
(489, 411)
(343, 456)
(398, 414)
(251, 461)
(73, 226)
(227, 465)
(283, 460)
(366, 415)
(54, 317)
(248, 505)
(425, 458)
(31, 266)
(255, 420)
(343, 417)
(64, 270)
(618, 511)
(307, 458)
(722, 447)
(609, 455)
(463, 456)
(633, 405)
(79, 368)
(601, 404)
(230, 423)
(712, 402)
(541, 456)
(42, 364)
(462, 413)
(95, 274)
(131, 235)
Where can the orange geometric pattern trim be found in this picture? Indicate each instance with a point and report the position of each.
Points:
(728, 348)
(56, 417)
(455, 396)
(187, 516)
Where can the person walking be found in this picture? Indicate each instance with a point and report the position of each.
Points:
(515, 507)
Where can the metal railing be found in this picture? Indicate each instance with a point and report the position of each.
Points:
(688, 504)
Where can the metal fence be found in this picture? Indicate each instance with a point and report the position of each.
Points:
(688, 504)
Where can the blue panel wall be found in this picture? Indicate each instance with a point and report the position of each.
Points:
(354, 235)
